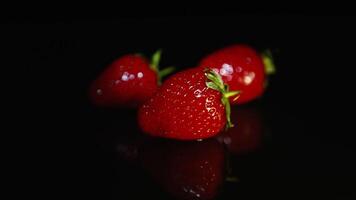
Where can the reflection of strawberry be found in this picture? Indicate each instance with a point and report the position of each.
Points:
(192, 104)
(127, 82)
(128, 147)
(189, 170)
(246, 136)
(242, 68)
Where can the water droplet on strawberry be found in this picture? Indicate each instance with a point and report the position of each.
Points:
(197, 93)
(226, 70)
(124, 77)
(248, 78)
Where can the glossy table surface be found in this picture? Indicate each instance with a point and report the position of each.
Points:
(295, 142)
(269, 153)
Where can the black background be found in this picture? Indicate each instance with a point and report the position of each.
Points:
(309, 102)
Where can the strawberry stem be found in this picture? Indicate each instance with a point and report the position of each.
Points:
(269, 65)
(231, 94)
(166, 71)
(155, 59)
(268, 62)
(216, 83)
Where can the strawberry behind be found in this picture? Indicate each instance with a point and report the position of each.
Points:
(242, 68)
(128, 82)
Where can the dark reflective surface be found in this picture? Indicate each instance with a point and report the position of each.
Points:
(190, 170)
(262, 156)
(296, 142)
(247, 134)
(195, 169)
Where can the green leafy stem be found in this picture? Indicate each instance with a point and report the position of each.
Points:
(216, 83)
(155, 59)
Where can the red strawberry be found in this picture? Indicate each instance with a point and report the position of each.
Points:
(128, 81)
(247, 135)
(190, 105)
(242, 68)
(189, 170)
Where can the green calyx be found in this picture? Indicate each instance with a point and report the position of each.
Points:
(268, 62)
(216, 83)
(269, 65)
(154, 65)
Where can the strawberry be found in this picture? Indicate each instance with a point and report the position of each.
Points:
(128, 81)
(185, 170)
(247, 135)
(242, 68)
(190, 105)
